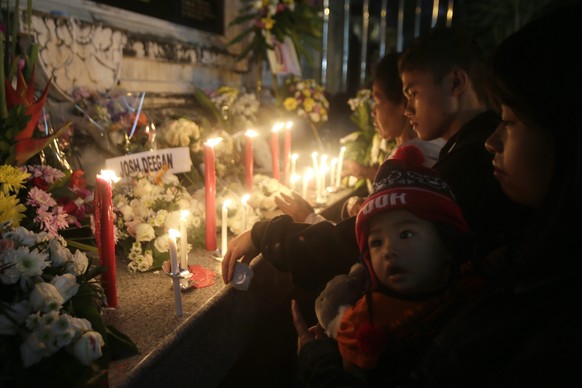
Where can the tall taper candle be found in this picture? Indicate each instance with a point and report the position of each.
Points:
(340, 160)
(275, 150)
(249, 158)
(175, 272)
(210, 190)
(184, 239)
(105, 234)
(287, 153)
(224, 233)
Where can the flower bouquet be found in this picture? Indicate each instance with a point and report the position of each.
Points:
(298, 20)
(50, 319)
(115, 120)
(146, 206)
(50, 302)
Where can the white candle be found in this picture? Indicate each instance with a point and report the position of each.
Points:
(294, 158)
(225, 206)
(184, 239)
(306, 177)
(332, 173)
(245, 198)
(172, 234)
(340, 160)
(294, 179)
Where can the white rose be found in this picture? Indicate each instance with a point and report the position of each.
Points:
(79, 263)
(144, 232)
(88, 347)
(59, 254)
(66, 284)
(161, 243)
(45, 297)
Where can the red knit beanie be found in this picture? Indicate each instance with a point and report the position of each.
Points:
(403, 182)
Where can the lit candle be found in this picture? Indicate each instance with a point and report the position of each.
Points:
(287, 152)
(184, 239)
(175, 272)
(249, 159)
(340, 160)
(294, 158)
(306, 177)
(320, 180)
(210, 190)
(332, 173)
(104, 233)
(224, 233)
(294, 179)
(245, 198)
(275, 149)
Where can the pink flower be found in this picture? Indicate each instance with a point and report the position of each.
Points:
(40, 198)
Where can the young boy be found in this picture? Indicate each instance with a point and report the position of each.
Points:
(443, 76)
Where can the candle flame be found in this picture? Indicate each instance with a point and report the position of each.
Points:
(295, 178)
(226, 203)
(109, 176)
(184, 214)
(251, 133)
(173, 234)
(213, 141)
(289, 124)
(294, 156)
(277, 127)
(245, 198)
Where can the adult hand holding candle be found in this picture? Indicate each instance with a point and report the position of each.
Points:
(210, 190)
(275, 149)
(184, 239)
(175, 272)
(249, 158)
(224, 233)
(104, 233)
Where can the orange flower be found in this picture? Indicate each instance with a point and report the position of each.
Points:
(27, 145)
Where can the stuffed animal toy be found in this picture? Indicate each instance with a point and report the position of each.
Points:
(340, 293)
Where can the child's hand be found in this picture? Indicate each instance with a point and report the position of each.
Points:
(304, 334)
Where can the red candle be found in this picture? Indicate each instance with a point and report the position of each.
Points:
(104, 235)
(249, 159)
(210, 190)
(286, 153)
(275, 150)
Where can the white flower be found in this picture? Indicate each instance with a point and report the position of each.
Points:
(26, 263)
(144, 232)
(45, 297)
(59, 254)
(66, 285)
(160, 218)
(23, 236)
(79, 263)
(88, 347)
(161, 243)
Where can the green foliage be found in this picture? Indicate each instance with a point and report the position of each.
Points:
(298, 20)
